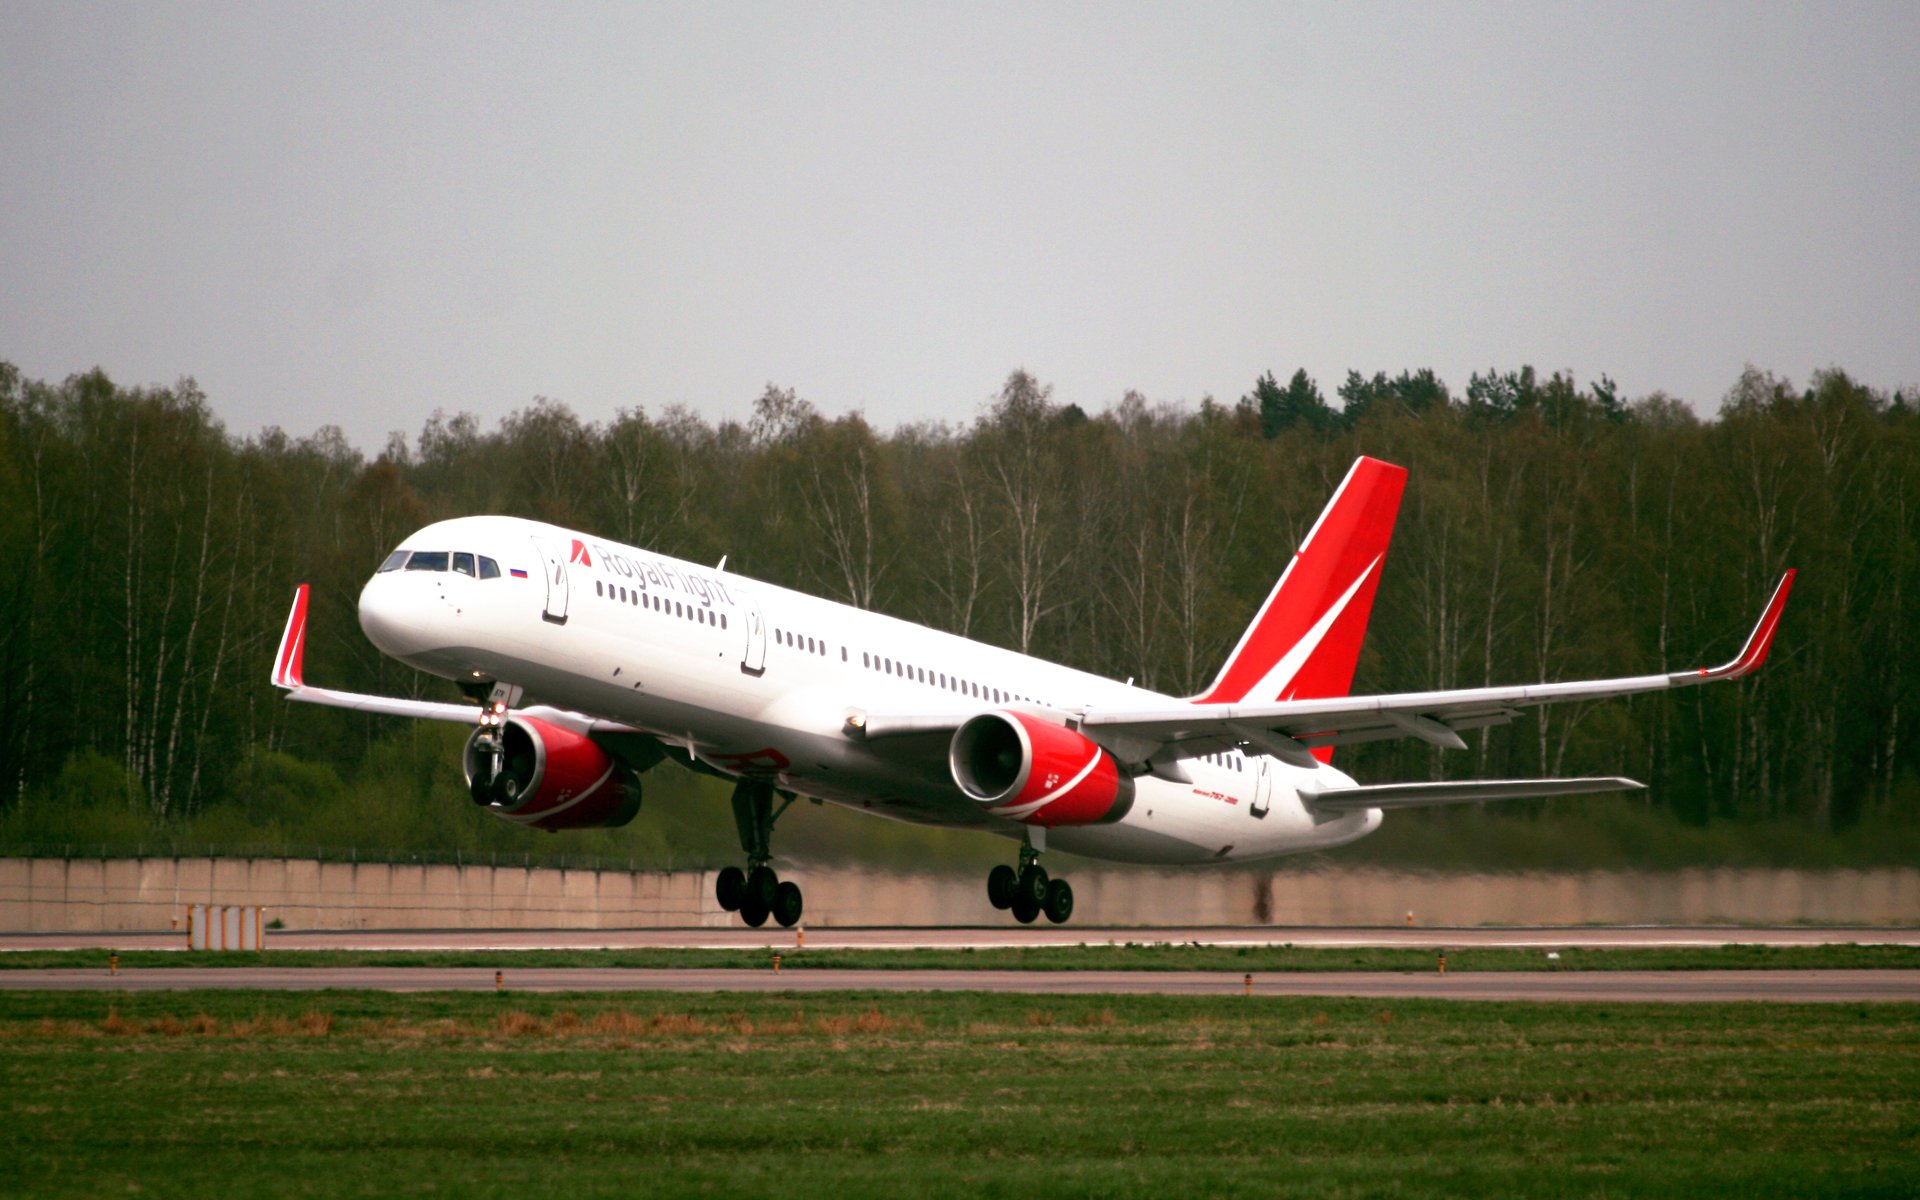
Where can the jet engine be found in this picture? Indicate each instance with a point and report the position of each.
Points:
(1031, 771)
(532, 772)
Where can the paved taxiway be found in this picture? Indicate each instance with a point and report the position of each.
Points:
(1607, 986)
(993, 937)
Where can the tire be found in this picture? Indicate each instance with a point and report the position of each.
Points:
(787, 903)
(1059, 905)
(1000, 884)
(761, 885)
(753, 913)
(1025, 910)
(730, 888)
(1033, 886)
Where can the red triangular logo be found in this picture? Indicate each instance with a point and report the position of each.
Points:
(580, 554)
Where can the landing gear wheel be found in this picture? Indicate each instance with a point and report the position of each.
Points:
(1001, 882)
(753, 912)
(1024, 910)
(1059, 905)
(1032, 887)
(730, 888)
(762, 883)
(787, 902)
(505, 789)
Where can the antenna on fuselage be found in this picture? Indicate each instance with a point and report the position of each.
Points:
(722, 565)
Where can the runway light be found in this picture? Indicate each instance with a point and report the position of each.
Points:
(776, 964)
(113, 963)
(1246, 984)
(799, 938)
(499, 981)
(1443, 962)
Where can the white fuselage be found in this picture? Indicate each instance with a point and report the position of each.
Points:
(756, 679)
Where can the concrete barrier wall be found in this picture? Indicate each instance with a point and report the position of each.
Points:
(153, 894)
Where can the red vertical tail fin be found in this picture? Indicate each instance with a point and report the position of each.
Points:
(1305, 641)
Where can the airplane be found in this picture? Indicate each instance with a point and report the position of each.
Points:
(592, 662)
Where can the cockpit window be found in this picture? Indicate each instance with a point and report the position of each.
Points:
(394, 560)
(489, 569)
(463, 562)
(428, 560)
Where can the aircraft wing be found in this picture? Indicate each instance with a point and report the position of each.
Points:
(289, 672)
(1291, 729)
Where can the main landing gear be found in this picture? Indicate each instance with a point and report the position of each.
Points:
(757, 892)
(1028, 891)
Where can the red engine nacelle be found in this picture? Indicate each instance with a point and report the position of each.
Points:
(1027, 770)
(549, 777)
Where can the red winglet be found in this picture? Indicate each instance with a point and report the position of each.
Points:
(288, 667)
(1759, 641)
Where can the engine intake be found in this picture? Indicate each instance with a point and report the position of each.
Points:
(1027, 770)
(548, 777)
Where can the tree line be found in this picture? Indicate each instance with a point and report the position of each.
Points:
(1549, 530)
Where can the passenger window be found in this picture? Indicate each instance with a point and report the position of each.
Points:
(723, 620)
(428, 560)
(596, 588)
(463, 562)
(393, 561)
(489, 569)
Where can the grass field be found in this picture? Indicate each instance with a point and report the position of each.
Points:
(1146, 957)
(848, 1095)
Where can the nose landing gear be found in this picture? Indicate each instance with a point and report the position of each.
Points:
(1029, 891)
(758, 892)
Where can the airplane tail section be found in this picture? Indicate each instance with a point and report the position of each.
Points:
(1305, 641)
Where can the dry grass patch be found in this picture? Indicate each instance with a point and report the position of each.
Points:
(170, 1025)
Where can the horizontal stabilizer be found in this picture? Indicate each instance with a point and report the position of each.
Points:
(1464, 791)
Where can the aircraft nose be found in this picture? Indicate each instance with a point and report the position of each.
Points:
(394, 615)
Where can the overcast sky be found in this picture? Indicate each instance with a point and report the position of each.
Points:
(356, 214)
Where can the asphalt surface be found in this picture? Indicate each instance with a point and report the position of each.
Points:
(1618, 986)
(738, 937)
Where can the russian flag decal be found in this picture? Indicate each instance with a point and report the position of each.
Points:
(516, 572)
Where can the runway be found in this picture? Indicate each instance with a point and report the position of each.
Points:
(1797, 987)
(996, 937)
